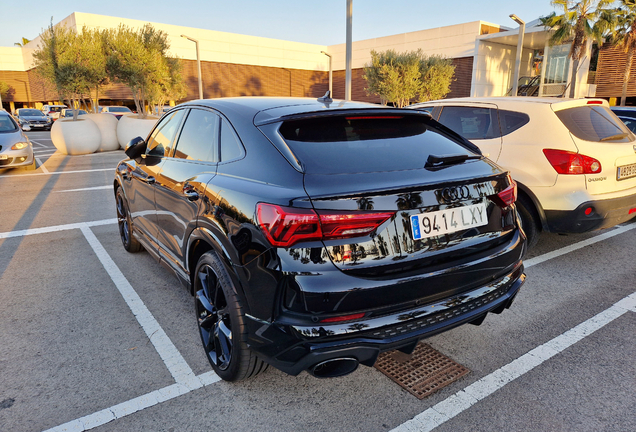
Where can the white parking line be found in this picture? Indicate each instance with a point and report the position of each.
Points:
(87, 189)
(171, 357)
(436, 415)
(38, 143)
(41, 165)
(56, 228)
(137, 404)
(464, 399)
(63, 172)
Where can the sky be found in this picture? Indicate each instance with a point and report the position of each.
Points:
(321, 22)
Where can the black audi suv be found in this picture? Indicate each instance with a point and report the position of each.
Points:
(315, 234)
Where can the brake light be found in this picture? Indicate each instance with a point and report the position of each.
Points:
(373, 117)
(286, 226)
(506, 197)
(595, 102)
(509, 195)
(565, 162)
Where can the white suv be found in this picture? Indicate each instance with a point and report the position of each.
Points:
(573, 160)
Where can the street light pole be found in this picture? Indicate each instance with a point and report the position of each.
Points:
(196, 42)
(330, 75)
(348, 53)
(522, 31)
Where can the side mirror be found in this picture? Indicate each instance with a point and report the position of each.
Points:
(26, 128)
(135, 148)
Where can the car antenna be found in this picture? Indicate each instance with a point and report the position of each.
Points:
(326, 98)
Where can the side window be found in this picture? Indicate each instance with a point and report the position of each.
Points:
(471, 122)
(199, 137)
(231, 147)
(511, 121)
(160, 142)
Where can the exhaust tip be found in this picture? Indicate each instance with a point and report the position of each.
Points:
(334, 368)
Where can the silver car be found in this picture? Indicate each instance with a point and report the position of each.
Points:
(15, 148)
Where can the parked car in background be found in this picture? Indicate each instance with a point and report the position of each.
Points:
(315, 235)
(15, 148)
(34, 118)
(573, 160)
(69, 113)
(117, 111)
(53, 111)
(627, 115)
(162, 110)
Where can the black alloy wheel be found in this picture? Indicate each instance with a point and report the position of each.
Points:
(125, 224)
(221, 322)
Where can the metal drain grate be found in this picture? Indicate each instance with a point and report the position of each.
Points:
(421, 373)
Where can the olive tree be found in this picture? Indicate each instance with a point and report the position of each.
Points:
(172, 87)
(400, 78)
(139, 59)
(70, 62)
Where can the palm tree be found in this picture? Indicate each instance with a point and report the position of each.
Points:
(23, 43)
(575, 25)
(620, 26)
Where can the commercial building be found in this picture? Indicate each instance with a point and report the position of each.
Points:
(240, 65)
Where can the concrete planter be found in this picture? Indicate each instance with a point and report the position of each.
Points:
(78, 137)
(107, 125)
(131, 126)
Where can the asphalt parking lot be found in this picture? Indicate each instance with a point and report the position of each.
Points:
(95, 338)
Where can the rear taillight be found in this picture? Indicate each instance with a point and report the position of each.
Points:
(286, 226)
(565, 162)
(506, 197)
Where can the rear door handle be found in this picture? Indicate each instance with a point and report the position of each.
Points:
(149, 180)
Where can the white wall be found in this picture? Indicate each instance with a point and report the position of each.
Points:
(493, 68)
(11, 59)
(213, 45)
(450, 41)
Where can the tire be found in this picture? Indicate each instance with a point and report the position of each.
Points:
(529, 220)
(221, 322)
(125, 224)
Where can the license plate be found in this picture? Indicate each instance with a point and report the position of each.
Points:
(626, 171)
(4, 157)
(37, 125)
(448, 221)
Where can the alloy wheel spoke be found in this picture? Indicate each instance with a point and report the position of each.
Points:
(224, 337)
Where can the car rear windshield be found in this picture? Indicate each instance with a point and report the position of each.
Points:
(56, 108)
(119, 109)
(365, 143)
(594, 123)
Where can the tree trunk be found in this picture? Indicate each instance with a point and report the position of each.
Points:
(575, 69)
(96, 107)
(626, 74)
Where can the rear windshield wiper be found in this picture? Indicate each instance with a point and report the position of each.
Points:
(438, 161)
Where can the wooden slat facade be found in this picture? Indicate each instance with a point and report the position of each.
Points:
(229, 80)
(610, 71)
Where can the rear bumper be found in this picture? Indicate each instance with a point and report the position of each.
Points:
(294, 348)
(603, 214)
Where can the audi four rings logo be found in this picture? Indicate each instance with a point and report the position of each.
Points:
(455, 193)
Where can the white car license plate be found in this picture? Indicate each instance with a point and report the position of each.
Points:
(626, 171)
(4, 157)
(448, 221)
